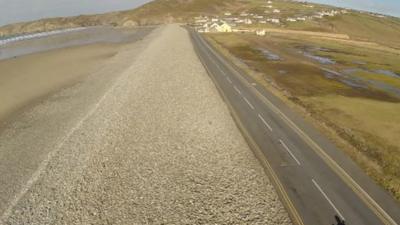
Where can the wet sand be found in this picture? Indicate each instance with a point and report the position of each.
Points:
(43, 96)
(25, 80)
(28, 78)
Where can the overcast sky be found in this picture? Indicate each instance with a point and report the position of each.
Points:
(12, 11)
(389, 7)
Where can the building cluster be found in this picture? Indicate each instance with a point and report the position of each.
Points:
(229, 22)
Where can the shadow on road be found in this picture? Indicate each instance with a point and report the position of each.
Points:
(339, 221)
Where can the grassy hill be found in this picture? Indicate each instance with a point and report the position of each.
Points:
(359, 26)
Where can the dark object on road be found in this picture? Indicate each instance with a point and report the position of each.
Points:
(339, 221)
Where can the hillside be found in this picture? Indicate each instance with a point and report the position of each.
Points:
(359, 26)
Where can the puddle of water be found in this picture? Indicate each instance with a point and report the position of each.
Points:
(387, 73)
(317, 48)
(347, 80)
(359, 62)
(351, 70)
(353, 83)
(374, 83)
(320, 59)
(382, 72)
(269, 55)
(282, 72)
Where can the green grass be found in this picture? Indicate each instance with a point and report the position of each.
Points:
(370, 28)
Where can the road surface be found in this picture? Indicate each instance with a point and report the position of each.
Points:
(315, 180)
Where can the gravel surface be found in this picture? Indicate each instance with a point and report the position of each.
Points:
(160, 147)
(41, 125)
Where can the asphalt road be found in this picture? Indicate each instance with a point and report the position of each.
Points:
(315, 180)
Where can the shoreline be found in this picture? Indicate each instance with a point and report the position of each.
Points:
(61, 61)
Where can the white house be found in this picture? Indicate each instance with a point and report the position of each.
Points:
(227, 14)
(269, 2)
(276, 11)
(260, 32)
(275, 21)
(291, 19)
(248, 21)
(220, 27)
(201, 21)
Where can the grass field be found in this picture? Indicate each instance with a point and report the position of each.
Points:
(345, 99)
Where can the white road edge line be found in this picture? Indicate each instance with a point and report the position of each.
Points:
(290, 152)
(237, 90)
(229, 80)
(301, 133)
(248, 103)
(223, 73)
(265, 122)
(218, 67)
(326, 197)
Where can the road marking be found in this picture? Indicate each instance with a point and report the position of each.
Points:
(326, 197)
(237, 90)
(229, 80)
(248, 103)
(265, 122)
(290, 152)
(223, 73)
(372, 204)
(293, 213)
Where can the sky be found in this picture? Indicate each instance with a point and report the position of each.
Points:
(388, 7)
(13, 11)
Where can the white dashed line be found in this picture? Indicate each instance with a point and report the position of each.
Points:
(229, 80)
(326, 197)
(248, 103)
(265, 122)
(237, 90)
(223, 73)
(290, 152)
